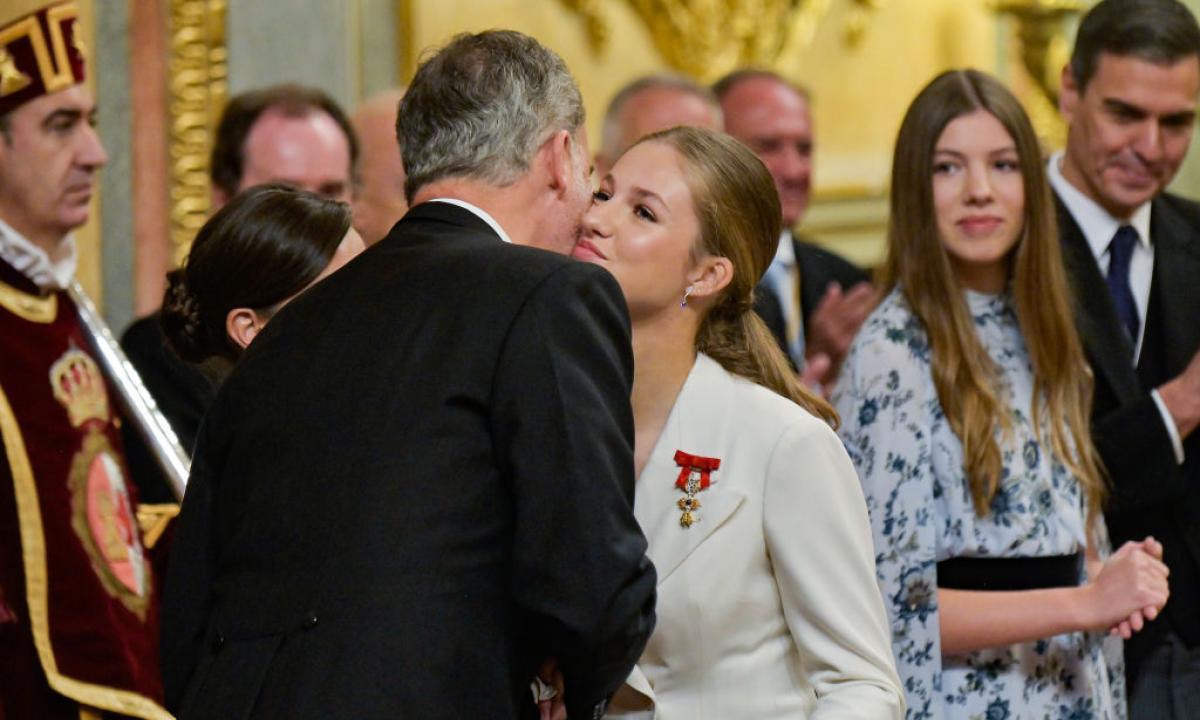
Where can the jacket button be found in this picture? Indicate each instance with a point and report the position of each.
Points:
(218, 642)
(310, 621)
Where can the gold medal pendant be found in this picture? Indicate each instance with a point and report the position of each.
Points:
(695, 474)
(687, 505)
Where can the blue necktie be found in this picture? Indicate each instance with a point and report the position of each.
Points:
(1119, 254)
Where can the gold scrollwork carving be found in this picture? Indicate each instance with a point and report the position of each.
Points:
(855, 27)
(198, 88)
(1044, 52)
(708, 38)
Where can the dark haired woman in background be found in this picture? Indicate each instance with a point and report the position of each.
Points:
(256, 253)
(965, 401)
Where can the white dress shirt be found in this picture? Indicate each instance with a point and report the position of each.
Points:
(1098, 228)
(479, 213)
(781, 277)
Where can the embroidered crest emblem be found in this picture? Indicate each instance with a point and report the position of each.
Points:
(79, 387)
(695, 475)
(102, 514)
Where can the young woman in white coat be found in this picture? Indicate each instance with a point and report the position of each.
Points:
(767, 606)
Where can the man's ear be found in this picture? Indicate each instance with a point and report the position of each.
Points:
(560, 161)
(243, 325)
(1068, 95)
(710, 276)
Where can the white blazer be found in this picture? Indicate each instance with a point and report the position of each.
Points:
(767, 604)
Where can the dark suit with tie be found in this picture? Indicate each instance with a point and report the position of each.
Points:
(1151, 493)
(416, 485)
(816, 267)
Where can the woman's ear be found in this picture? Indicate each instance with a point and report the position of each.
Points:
(710, 276)
(243, 325)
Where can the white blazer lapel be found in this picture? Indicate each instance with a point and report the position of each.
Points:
(698, 425)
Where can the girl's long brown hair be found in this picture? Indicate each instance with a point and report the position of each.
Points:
(738, 208)
(964, 375)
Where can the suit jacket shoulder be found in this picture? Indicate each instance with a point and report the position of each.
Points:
(818, 268)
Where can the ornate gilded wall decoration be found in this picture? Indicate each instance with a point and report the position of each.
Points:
(597, 29)
(1041, 33)
(856, 25)
(708, 38)
(198, 89)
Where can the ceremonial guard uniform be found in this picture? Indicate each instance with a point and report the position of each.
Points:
(78, 604)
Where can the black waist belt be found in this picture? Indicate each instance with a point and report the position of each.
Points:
(1010, 573)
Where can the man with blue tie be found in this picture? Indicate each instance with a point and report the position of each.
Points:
(1132, 251)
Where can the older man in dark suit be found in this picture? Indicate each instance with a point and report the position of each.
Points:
(1133, 253)
(813, 300)
(416, 487)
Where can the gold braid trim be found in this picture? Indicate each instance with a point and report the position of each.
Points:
(29, 307)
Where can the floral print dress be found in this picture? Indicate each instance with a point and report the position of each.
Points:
(910, 464)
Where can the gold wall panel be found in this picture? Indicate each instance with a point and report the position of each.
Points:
(197, 92)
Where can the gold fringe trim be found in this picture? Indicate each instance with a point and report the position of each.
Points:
(154, 519)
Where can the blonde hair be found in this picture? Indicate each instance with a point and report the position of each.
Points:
(738, 209)
(965, 377)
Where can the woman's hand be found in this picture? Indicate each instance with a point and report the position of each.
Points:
(1130, 589)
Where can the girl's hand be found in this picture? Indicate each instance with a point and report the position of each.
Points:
(1130, 589)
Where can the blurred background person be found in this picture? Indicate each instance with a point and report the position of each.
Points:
(78, 596)
(1133, 257)
(379, 193)
(965, 401)
(740, 477)
(261, 249)
(649, 104)
(813, 300)
(289, 134)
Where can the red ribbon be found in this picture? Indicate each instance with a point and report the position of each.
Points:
(689, 463)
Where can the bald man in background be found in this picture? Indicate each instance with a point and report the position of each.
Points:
(649, 104)
(379, 200)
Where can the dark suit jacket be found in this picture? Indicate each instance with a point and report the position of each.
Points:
(818, 267)
(416, 485)
(1151, 493)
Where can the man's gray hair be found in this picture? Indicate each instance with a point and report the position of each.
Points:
(481, 107)
(613, 133)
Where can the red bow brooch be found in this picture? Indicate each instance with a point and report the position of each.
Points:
(695, 474)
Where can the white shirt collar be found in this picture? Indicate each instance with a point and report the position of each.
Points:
(785, 254)
(479, 213)
(33, 262)
(1097, 224)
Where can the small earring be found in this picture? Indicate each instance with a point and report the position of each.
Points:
(686, 293)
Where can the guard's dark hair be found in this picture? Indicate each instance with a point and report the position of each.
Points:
(1158, 31)
(228, 161)
(264, 246)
